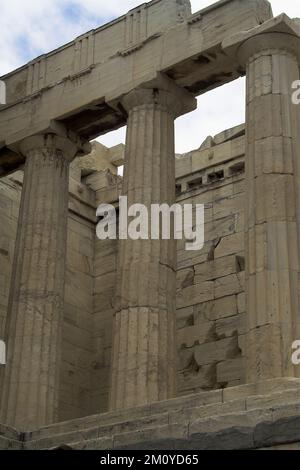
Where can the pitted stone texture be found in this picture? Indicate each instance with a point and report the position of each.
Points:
(143, 356)
(33, 329)
(272, 205)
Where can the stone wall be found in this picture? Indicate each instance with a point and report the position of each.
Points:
(210, 282)
(10, 192)
(106, 187)
(210, 295)
(77, 328)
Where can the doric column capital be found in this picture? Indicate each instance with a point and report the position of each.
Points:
(50, 144)
(278, 35)
(164, 93)
(269, 43)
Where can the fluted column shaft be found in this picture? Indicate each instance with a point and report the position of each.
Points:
(272, 222)
(33, 334)
(143, 358)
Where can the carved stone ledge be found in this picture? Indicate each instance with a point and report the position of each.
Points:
(138, 46)
(195, 19)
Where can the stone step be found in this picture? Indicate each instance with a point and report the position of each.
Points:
(178, 420)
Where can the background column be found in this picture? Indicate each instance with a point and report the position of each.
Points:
(143, 360)
(33, 333)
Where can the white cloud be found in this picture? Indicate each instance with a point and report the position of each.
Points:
(31, 27)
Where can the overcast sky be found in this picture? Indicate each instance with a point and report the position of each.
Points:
(29, 28)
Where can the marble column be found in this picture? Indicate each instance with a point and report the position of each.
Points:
(272, 218)
(33, 333)
(143, 357)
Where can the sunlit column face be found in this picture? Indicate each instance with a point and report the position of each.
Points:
(2, 353)
(2, 92)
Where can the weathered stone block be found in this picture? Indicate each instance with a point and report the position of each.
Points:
(219, 308)
(231, 370)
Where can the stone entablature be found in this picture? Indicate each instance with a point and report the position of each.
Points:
(237, 300)
(80, 56)
(188, 53)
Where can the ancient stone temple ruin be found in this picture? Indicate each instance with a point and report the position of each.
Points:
(143, 344)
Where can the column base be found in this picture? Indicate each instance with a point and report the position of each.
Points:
(253, 416)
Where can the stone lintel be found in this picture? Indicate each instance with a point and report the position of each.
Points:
(280, 32)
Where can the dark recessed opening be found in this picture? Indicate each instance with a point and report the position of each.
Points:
(240, 264)
(195, 184)
(215, 176)
(237, 168)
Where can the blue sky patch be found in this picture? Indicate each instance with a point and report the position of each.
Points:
(25, 49)
(74, 13)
